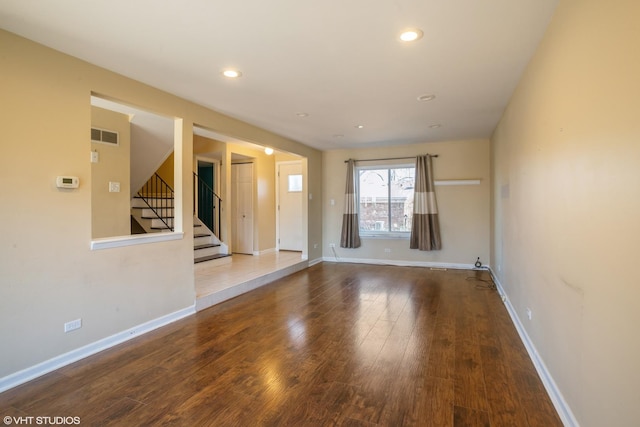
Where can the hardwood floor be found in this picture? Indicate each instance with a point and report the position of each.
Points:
(335, 344)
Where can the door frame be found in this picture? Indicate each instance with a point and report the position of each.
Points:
(216, 174)
(302, 207)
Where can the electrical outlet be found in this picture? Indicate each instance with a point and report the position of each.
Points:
(529, 313)
(315, 246)
(387, 250)
(332, 245)
(114, 187)
(73, 325)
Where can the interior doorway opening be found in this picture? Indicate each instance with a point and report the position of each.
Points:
(259, 190)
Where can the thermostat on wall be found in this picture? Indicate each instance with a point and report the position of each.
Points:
(67, 182)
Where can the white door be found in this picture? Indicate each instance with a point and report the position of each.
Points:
(290, 206)
(242, 207)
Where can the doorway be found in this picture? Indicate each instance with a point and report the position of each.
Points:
(206, 186)
(289, 205)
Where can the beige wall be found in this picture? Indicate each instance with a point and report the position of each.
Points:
(464, 210)
(110, 212)
(166, 170)
(49, 273)
(566, 229)
(286, 157)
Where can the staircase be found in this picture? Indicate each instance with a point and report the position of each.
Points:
(152, 211)
(153, 214)
(206, 220)
(206, 245)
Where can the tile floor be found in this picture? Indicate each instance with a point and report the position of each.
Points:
(220, 280)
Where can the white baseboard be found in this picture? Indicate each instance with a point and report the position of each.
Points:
(315, 261)
(563, 409)
(400, 263)
(264, 251)
(57, 362)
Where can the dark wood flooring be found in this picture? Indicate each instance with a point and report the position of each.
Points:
(335, 344)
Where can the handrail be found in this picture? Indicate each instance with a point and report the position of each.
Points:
(159, 196)
(206, 197)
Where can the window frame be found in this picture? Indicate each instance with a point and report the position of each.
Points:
(400, 235)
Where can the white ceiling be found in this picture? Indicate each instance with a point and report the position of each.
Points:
(339, 61)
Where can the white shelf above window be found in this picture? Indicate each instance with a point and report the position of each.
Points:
(445, 182)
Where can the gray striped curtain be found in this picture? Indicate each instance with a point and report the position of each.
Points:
(425, 228)
(350, 226)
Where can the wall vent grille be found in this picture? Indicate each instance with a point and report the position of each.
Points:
(104, 136)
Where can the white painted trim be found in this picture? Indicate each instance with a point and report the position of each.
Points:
(136, 239)
(456, 182)
(561, 405)
(216, 172)
(400, 263)
(264, 251)
(315, 261)
(58, 362)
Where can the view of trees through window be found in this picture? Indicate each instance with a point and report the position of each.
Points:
(385, 199)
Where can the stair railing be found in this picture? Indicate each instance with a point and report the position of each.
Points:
(209, 205)
(158, 196)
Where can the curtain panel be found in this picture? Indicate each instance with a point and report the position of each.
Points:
(425, 228)
(350, 237)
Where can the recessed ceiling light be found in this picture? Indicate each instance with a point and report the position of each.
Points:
(359, 126)
(425, 98)
(300, 114)
(435, 126)
(410, 35)
(232, 74)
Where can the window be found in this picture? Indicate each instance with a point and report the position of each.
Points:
(385, 199)
(294, 183)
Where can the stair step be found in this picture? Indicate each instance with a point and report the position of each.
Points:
(155, 203)
(196, 235)
(209, 245)
(210, 257)
(197, 225)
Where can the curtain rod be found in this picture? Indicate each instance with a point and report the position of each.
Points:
(390, 158)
